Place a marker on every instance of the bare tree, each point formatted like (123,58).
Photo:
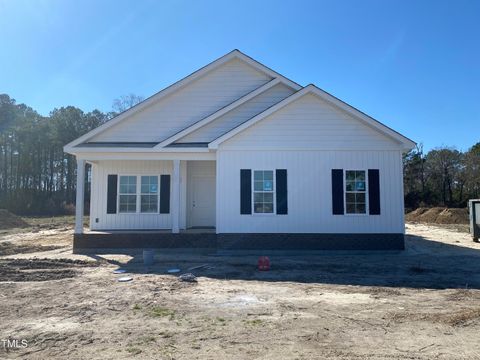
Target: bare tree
(125,102)
(472,165)
(443,168)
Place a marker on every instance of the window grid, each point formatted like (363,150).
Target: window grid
(263,192)
(355,192)
(138,194)
(149,194)
(127,194)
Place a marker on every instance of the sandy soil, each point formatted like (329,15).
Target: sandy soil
(421,303)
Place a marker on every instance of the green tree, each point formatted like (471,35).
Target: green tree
(36,176)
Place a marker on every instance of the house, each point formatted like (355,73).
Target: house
(237,156)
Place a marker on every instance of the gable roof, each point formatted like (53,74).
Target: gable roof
(406,143)
(235,54)
(82,143)
(189,129)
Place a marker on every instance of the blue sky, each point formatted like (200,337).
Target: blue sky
(414,65)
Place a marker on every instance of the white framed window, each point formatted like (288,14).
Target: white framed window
(263,191)
(127,194)
(138,194)
(356,192)
(149,194)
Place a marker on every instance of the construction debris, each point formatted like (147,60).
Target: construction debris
(189,277)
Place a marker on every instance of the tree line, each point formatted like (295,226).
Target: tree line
(443,176)
(37,177)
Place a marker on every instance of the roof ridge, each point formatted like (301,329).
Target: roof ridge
(176,86)
(265,110)
(222,111)
(312,89)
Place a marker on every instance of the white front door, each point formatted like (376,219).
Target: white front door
(202,206)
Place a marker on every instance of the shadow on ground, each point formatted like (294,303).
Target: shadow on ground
(424,264)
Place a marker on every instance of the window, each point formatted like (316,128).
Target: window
(355,192)
(149,194)
(263,191)
(127,194)
(145,192)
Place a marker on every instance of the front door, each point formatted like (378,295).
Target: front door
(202,207)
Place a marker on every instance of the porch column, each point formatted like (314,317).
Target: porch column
(176,197)
(80,196)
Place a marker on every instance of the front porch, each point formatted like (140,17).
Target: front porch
(148,197)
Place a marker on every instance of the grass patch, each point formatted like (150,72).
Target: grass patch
(133,350)
(147,339)
(255,322)
(162,312)
(136,307)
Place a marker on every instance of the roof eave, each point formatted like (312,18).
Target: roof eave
(402,140)
(178,85)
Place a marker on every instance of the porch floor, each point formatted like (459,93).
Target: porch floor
(153,231)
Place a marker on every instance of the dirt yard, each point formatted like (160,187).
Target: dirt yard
(422,303)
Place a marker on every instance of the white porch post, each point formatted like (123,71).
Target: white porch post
(80,196)
(176,197)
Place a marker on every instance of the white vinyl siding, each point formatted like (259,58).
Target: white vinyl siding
(309,191)
(239,115)
(137,220)
(188,105)
(310,123)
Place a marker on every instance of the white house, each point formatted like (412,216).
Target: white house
(235,155)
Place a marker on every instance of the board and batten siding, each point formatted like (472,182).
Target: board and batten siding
(310,123)
(188,105)
(309,192)
(98,204)
(239,115)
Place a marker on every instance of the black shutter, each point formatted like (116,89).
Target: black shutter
(374,191)
(164,194)
(282,196)
(112,194)
(245,191)
(337,191)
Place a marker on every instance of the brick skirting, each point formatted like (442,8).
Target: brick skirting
(258,241)
(311,241)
